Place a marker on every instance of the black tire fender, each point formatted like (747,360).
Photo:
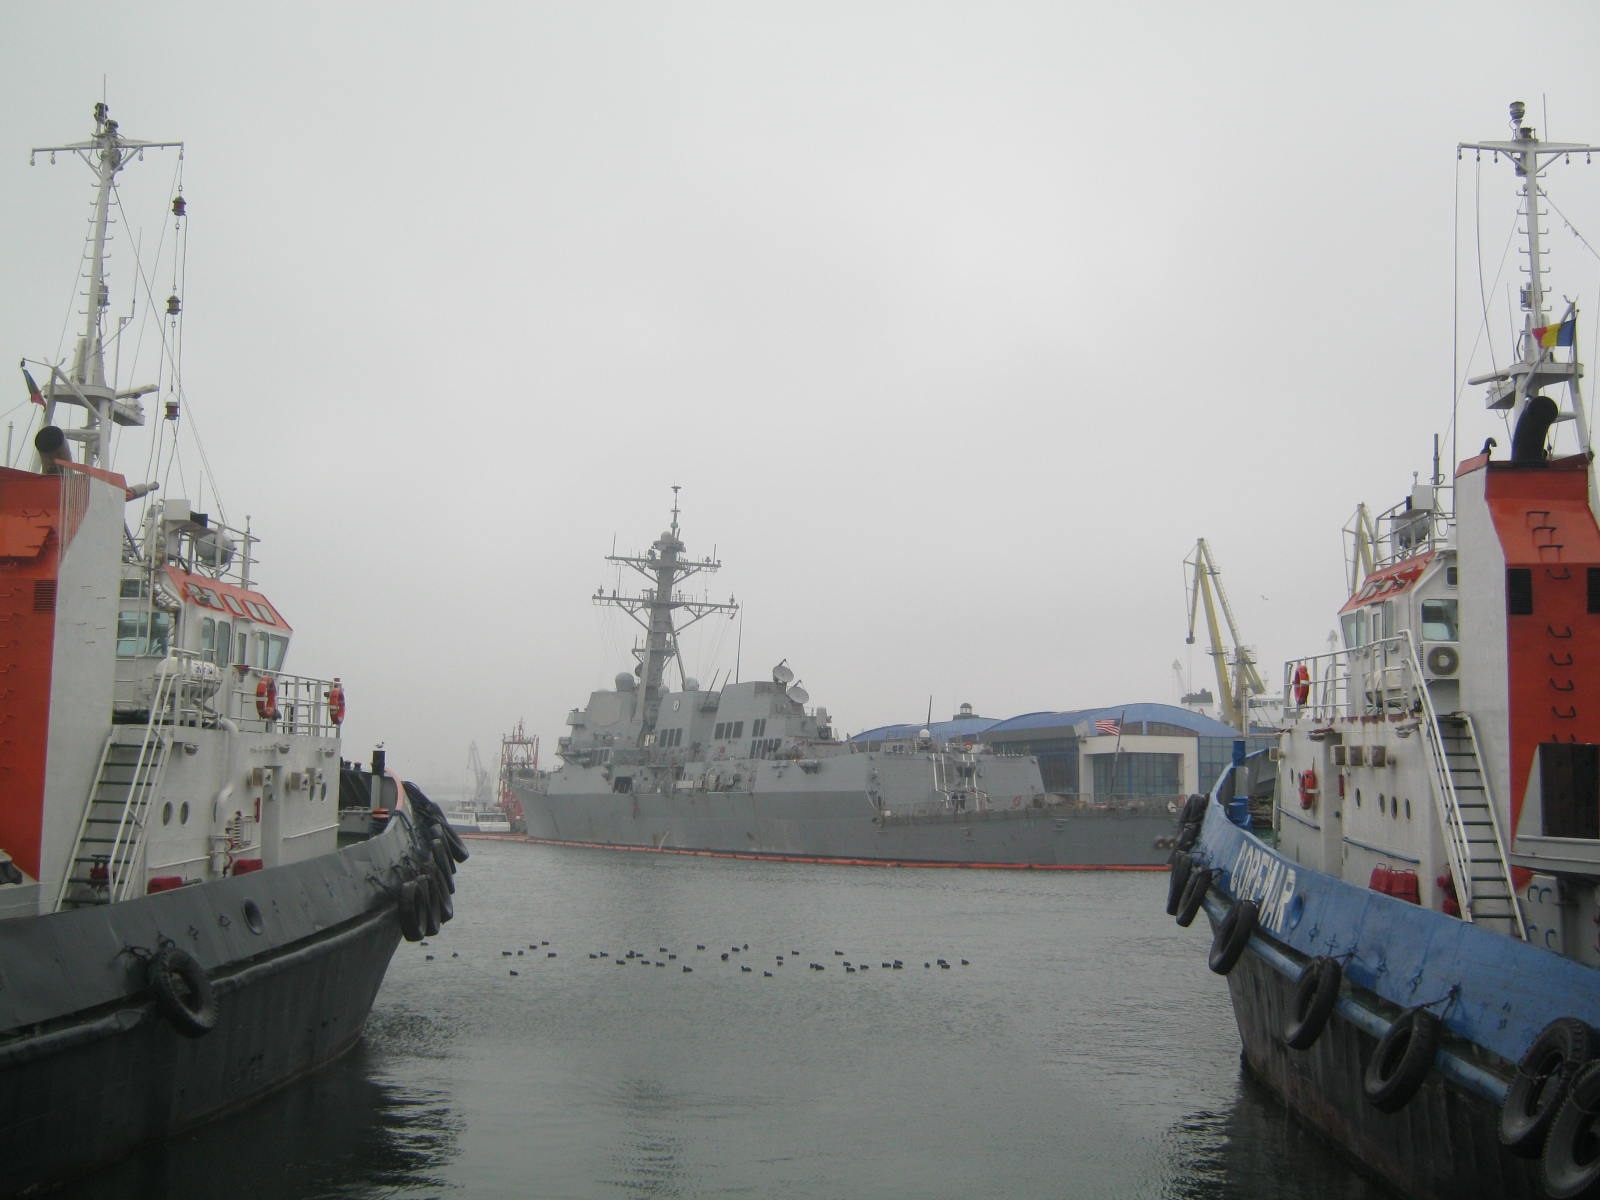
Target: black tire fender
(1177,880)
(1194,894)
(444,907)
(1314,998)
(1569,1166)
(413,909)
(444,865)
(1401,1060)
(183,992)
(430,890)
(1233,935)
(1544,1075)
(453,842)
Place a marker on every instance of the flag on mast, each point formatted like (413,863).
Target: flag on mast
(34,393)
(1549,336)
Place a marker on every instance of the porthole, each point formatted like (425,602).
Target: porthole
(1381,809)
(252,916)
(1358,797)
(1408,808)
(166,813)
(183,814)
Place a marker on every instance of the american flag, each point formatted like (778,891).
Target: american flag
(1108,725)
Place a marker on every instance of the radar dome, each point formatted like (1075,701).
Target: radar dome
(691,684)
(624,681)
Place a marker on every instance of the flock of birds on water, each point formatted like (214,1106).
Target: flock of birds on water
(732,956)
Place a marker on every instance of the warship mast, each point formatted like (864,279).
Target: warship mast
(663,568)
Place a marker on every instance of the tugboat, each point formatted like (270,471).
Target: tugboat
(749,770)
(181,930)
(1411,950)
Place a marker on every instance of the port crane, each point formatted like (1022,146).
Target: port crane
(1236,688)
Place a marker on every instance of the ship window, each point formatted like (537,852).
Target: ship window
(1380,802)
(270,650)
(183,813)
(1450,576)
(1355,629)
(135,589)
(1439,620)
(1519,590)
(208,638)
(260,612)
(1594,589)
(717,732)
(224,641)
(758,727)
(1358,797)
(166,813)
(738,730)
(143,633)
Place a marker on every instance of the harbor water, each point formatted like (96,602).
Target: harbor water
(1046,1034)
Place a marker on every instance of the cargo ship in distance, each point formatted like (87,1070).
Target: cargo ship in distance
(749,770)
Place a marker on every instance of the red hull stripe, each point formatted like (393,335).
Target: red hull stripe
(856,862)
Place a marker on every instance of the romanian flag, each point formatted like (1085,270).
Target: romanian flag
(1547,336)
(34,393)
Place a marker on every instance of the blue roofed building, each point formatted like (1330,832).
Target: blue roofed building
(1103,755)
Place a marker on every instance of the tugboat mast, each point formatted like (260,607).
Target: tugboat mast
(1512,386)
(664,568)
(107,152)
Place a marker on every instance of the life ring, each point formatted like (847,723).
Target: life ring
(1301,686)
(1178,881)
(1194,894)
(1401,1060)
(267,699)
(183,992)
(1543,1078)
(1314,998)
(1233,935)
(413,909)
(336,703)
(1308,788)
(1569,1166)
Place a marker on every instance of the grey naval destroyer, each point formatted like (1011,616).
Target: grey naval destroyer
(748,770)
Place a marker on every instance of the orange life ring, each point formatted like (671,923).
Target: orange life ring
(1302,685)
(1308,788)
(267,699)
(336,703)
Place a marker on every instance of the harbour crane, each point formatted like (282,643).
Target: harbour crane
(479,779)
(1236,688)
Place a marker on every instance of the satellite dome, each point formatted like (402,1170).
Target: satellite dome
(624,681)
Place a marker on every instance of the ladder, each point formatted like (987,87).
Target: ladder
(1472,838)
(106,864)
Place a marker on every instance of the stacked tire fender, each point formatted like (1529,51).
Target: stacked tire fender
(424,903)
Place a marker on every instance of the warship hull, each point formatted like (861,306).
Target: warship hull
(804,822)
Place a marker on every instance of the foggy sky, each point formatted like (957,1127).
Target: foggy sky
(956,323)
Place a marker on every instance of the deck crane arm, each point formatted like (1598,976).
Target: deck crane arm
(1205,586)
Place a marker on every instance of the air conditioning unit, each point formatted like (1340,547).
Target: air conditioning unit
(1356,756)
(1380,756)
(1441,660)
(1340,753)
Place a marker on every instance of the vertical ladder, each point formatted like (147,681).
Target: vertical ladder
(1479,866)
(106,864)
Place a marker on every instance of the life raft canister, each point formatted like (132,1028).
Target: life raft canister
(1302,685)
(1308,788)
(267,699)
(336,702)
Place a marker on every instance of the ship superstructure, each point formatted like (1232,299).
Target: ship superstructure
(1411,952)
